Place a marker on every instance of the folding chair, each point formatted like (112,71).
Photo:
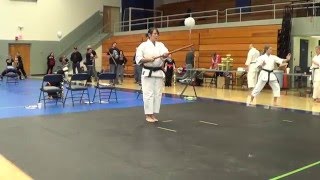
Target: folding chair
(51,84)
(12,78)
(77,90)
(105,90)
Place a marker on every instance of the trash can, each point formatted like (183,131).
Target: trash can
(279,75)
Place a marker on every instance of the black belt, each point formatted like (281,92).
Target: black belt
(252,62)
(152,69)
(269,72)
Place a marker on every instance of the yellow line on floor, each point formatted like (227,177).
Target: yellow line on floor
(166,129)
(205,122)
(8,171)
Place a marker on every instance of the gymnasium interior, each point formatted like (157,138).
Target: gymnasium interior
(206,128)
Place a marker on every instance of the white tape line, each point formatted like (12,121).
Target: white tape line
(287,121)
(205,122)
(166,129)
(168,121)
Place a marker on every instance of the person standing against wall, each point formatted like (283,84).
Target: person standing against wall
(51,62)
(190,58)
(76,58)
(121,65)
(89,63)
(20,65)
(114,57)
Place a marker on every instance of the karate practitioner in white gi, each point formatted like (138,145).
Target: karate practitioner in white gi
(316,75)
(252,75)
(267,63)
(152,77)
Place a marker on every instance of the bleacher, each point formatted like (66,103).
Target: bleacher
(221,39)
(234,41)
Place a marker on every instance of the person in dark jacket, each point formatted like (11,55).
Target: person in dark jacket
(89,63)
(121,65)
(76,58)
(169,67)
(20,65)
(114,57)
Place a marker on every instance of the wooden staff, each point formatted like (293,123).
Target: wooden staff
(176,50)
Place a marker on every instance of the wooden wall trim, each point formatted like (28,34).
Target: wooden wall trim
(227,40)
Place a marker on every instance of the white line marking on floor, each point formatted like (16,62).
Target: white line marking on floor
(168,121)
(205,122)
(12,107)
(166,129)
(287,121)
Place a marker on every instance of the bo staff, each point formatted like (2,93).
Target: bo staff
(176,50)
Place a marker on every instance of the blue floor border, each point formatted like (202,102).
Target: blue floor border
(15,99)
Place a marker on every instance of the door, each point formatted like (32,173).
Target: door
(24,50)
(304,54)
(107,19)
(111,18)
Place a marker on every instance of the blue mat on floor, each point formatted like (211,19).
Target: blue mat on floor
(18,101)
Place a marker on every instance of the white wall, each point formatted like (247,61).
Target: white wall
(99,59)
(296,51)
(313,42)
(43,19)
(306,26)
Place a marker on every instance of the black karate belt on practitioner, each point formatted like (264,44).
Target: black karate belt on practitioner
(269,72)
(152,69)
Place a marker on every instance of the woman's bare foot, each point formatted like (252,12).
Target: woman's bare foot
(149,118)
(154,118)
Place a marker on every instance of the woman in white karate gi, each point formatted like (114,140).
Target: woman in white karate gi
(267,63)
(252,75)
(316,75)
(152,75)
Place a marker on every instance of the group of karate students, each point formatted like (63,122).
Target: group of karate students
(151,54)
(266,62)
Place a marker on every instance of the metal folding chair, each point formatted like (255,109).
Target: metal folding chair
(12,77)
(51,88)
(105,90)
(78,88)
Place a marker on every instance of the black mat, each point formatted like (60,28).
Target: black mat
(240,143)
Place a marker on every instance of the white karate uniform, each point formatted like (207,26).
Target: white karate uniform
(151,86)
(252,56)
(265,76)
(316,77)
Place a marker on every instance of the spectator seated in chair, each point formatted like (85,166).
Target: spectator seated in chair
(64,71)
(10,68)
(55,95)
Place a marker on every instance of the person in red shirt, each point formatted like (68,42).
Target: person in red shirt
(215,60)
(169,68)
(50,63)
